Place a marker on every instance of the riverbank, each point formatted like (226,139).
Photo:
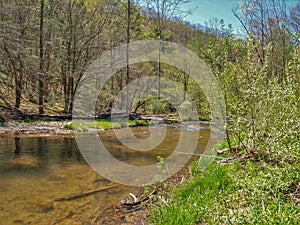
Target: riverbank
(52,126)
(139,209)
(247,189)
(40,128)
(66,127)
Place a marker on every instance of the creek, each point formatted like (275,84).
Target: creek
(35,170)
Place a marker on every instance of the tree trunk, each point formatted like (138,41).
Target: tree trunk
(41,77)
(18,83)
(159,68)
(127,55)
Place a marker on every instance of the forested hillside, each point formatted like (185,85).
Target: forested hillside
(46,46)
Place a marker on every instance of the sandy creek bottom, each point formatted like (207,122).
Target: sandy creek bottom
(35,170)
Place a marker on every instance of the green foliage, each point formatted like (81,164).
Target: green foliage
(264,109)
(152,105)
(234,141)
(190,202)
(263,194)
(160,162)
(135,123)
(69,126)
(185,109)
(166,35)
(234,194)
(204,118)
(98,124)
(157,106)
(184,118)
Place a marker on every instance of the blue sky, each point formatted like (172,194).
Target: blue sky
(207,9)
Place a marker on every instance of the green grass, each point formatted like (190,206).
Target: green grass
(250,193)
(107,125)
(190,202)
(104,124)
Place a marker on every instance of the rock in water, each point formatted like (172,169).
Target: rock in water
(193,127)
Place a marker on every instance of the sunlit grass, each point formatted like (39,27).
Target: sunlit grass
(190,202)
(80,125)
(245,192)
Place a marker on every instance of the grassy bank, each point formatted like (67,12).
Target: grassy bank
(109,124)
(243,192)
(105,124)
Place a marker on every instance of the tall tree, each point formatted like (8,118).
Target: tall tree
(127,53)
(41,72)
(161,11)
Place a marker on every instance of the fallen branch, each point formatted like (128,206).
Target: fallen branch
(133,197)
(84,194)
(139,201)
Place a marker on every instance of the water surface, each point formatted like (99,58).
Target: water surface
(36,170)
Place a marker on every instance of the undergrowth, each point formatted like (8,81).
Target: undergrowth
(242,193)
(245,192)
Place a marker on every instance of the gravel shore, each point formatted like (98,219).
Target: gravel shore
(40,128)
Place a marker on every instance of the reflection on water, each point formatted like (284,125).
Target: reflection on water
(36,170)
(17,146)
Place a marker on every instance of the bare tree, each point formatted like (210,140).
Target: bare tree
(13,43)
(161,11)
(265,21)
(294,18)
(81,27)
(41,72)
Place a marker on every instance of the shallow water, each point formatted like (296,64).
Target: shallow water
(36,170)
